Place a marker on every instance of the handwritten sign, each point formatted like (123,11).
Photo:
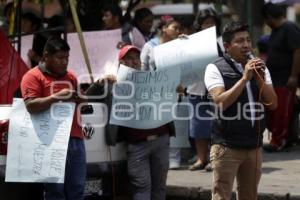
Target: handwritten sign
(102,50)
(37,143)
(181,123)
(144,100)
(192,55)
(26,45)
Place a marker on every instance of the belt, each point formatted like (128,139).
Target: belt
(151,137)
(148,138)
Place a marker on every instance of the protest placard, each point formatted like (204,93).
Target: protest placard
(5,111)
(26,45)
(191,54)
(102,50)
(37,143)
(144,100)
(181,122)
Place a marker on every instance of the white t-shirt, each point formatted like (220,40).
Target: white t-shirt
(213,78)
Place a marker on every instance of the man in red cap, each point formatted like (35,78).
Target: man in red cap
(148,149)
(130,56)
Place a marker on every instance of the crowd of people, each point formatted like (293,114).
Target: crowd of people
(231,149)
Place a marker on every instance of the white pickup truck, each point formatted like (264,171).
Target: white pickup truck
(101,161)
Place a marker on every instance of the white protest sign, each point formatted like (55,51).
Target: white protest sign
(181,123)
(137,38)
(5,111)
(102,50)
(192,55)
(26,45)
(144,100)
(37,143)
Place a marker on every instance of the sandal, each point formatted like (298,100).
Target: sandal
(197,166)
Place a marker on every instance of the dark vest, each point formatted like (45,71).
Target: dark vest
(232,128)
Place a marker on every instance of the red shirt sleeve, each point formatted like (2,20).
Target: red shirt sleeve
(30,86)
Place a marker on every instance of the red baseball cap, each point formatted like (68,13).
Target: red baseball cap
(124,50)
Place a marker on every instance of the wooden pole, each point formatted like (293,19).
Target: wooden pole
(81,39)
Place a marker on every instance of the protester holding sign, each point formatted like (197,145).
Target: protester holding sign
(148,149)
(169,29)
(45,84)
(241,89)
(200,128)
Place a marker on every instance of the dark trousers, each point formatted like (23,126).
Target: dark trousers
(75,175)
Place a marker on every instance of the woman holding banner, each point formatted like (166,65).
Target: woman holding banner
(168,29)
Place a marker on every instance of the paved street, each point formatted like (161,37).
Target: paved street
(281,175)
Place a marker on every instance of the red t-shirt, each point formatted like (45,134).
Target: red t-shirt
(37,84)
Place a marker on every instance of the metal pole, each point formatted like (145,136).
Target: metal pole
(249,16)
(64,7)
(18,21)
(195,6)
(42,10)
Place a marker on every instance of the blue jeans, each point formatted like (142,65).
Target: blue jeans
(75,174)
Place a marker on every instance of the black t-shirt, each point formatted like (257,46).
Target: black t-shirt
(282,43)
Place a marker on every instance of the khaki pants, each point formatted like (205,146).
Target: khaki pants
(229,163)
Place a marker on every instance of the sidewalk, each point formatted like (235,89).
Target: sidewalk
(280,179)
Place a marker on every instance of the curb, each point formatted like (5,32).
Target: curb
(198,193)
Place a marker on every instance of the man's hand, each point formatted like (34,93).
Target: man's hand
(259,69)
(292,82)
(248,71)
(107,79)
(255,67)
(66,95)
(180,89)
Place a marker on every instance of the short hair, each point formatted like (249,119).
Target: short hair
(141,14)
(203,15)
(54,44)
(35,20)
(7,8)
(187,21)
(166,20)
(272,10)
(231,28)
(115,10)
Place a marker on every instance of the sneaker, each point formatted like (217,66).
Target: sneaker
(174,165)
